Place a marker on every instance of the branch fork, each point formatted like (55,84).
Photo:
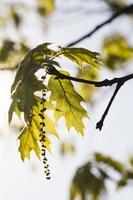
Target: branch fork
(105,83)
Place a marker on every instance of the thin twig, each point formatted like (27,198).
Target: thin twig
(126,10)
(99,124)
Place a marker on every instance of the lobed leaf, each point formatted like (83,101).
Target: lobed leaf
(30,136)
(24,99)
(67,100)
(67,103)
(81,56)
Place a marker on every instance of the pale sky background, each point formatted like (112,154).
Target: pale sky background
(25,180)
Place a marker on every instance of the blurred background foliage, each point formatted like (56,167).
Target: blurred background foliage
(11,54)
(91,179)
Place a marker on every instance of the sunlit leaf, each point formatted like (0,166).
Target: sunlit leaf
(117,51)
(24,98)
(28,142)
(30,136)
(63,99)
(67,103)
(32,62)
(81,56)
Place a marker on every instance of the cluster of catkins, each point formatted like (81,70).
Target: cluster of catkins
(43,133)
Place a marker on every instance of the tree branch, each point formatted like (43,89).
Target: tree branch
(99,124)
(103,83)
(118,81)
(126,10)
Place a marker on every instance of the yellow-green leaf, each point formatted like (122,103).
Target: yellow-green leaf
(116,51)
(67,103)
(21,101)
(30,136)
(81,56)
(28,142)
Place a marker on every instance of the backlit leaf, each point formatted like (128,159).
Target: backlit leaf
(67,103)
(30,136)
(24,98)
(28,142)
(117,51)
(64,101)
(81,56)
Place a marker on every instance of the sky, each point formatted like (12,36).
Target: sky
(25,180)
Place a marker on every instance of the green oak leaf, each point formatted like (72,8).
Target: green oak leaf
(26,84)
(30,136)
(67,103)
(64,101)
(32,62)
(81,56)
(28,142)
(24,97)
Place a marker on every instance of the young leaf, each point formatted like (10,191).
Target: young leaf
(67,103)
(81,56)
(28,142)
(30,136)
(24,98)
(32,62)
